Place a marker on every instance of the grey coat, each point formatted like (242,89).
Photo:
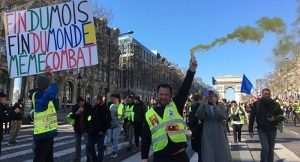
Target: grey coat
(214,142)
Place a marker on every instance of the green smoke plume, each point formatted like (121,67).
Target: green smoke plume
(243,34)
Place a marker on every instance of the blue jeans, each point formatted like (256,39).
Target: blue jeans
(106,138)
(267,141)
(92,140)
(113,135)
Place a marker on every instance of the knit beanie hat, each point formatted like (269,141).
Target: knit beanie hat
(43,82)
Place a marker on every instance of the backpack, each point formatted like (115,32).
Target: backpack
(280,126)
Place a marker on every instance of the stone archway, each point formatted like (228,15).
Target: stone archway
(229,81)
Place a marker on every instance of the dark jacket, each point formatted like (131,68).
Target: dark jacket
(18,116)
(195,127)
(87,108)
(179,101)
(260,113)
(139,112)
(101,120)
(4,118)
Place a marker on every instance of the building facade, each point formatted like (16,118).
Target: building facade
(141,70)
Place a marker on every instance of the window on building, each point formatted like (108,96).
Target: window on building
(69,91)
(88,94)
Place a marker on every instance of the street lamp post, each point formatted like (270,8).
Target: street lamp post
(79,77)
(109,64)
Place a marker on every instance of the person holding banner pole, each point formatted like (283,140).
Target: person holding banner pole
(44,107)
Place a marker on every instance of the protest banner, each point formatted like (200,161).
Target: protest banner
(61,36)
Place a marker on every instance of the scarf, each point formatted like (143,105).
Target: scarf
(268,104)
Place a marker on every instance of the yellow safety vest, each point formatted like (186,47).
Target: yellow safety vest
(71,121)
(170,126)
(242,120)
(129,114)
(45,121)
(120,110)
(297,109)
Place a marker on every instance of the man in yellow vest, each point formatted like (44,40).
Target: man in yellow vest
(164,127)
(45,117)
(296,113)
(80,113)
(129,120)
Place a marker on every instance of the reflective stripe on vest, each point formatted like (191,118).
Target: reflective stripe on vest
(159,126)
(129,114)
(120,110)
(45,121)
(241,117)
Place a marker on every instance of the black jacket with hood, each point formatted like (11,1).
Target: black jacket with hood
(100,119)
(139,112)
(18,116)
(87,108)
(265,107)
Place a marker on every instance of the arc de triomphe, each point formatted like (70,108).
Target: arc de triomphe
(229,81)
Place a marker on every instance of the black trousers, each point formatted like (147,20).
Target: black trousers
(124,128)
(138,132)
(180,157)
(237,132)
(44,150)
(226,126)
(0,148)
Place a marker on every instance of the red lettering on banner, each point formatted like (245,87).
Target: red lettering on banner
(22,20)
(80,56)
(8,23)
(56,61)
(64,53)
(35,40)
(70,57)
(90,52)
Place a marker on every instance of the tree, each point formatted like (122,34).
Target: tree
(100,11)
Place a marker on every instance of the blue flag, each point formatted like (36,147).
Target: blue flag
(246,86)
(213,81)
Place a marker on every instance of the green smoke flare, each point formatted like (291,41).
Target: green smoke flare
(243,34)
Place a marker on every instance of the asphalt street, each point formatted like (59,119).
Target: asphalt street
(287,146)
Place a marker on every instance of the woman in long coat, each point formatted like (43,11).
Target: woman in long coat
(214,142)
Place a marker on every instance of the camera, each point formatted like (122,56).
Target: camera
(269,115)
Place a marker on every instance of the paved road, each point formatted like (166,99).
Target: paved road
(287,147)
